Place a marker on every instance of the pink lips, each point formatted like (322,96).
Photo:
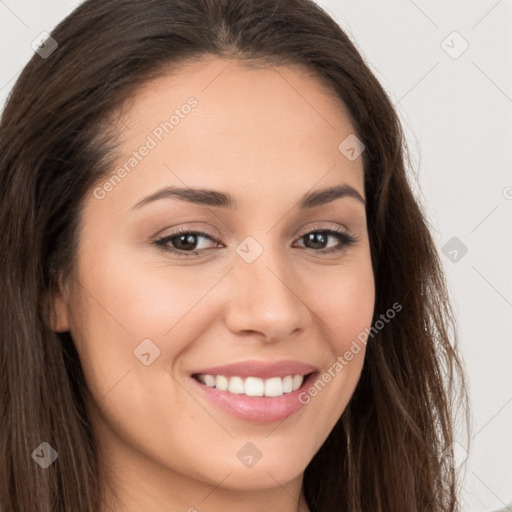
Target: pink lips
(257,409)
(261,369)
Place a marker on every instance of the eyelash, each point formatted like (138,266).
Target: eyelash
(344,238)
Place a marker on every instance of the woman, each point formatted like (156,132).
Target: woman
(219,290)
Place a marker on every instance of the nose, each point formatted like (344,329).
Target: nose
(265,299)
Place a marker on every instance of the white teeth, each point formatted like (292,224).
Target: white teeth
(288,384)
(221,383)
(297,381)
(253,386)
(209,380)
(274,386)
(236,385)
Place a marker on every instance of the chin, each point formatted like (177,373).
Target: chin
(267,472)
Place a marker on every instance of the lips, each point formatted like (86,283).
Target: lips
(256,391)
(260,369)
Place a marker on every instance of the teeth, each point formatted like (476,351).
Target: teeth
(274,386)
(253,386)
(288,384)
(297,382)
(236,385)
(221,383)
(209,380)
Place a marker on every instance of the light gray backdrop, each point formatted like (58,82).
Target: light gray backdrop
(448,67)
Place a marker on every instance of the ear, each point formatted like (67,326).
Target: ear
(59,307)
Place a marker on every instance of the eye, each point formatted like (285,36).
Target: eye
(185,243)
(320,237)
(181,241)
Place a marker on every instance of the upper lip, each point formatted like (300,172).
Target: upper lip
(261,369)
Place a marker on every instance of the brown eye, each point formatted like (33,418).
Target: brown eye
(184,243)
(318,240)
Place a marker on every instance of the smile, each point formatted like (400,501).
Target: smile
(253,386)
(255,391)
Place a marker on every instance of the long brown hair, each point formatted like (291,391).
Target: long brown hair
(390,451)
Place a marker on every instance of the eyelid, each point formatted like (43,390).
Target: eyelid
(160,240)
(189,227)
(319,227)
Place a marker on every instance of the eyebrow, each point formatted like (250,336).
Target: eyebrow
(210,197)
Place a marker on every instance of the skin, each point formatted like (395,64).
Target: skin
(267,136)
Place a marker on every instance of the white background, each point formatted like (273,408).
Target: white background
(457,116)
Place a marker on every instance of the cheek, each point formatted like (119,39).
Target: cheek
(121,309)
(344,300)
(140,299)
(125,315)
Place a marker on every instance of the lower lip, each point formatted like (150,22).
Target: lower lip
(258,409)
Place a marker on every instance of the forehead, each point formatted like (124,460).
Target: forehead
(261,128)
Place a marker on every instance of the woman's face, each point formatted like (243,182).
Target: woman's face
(252,289)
